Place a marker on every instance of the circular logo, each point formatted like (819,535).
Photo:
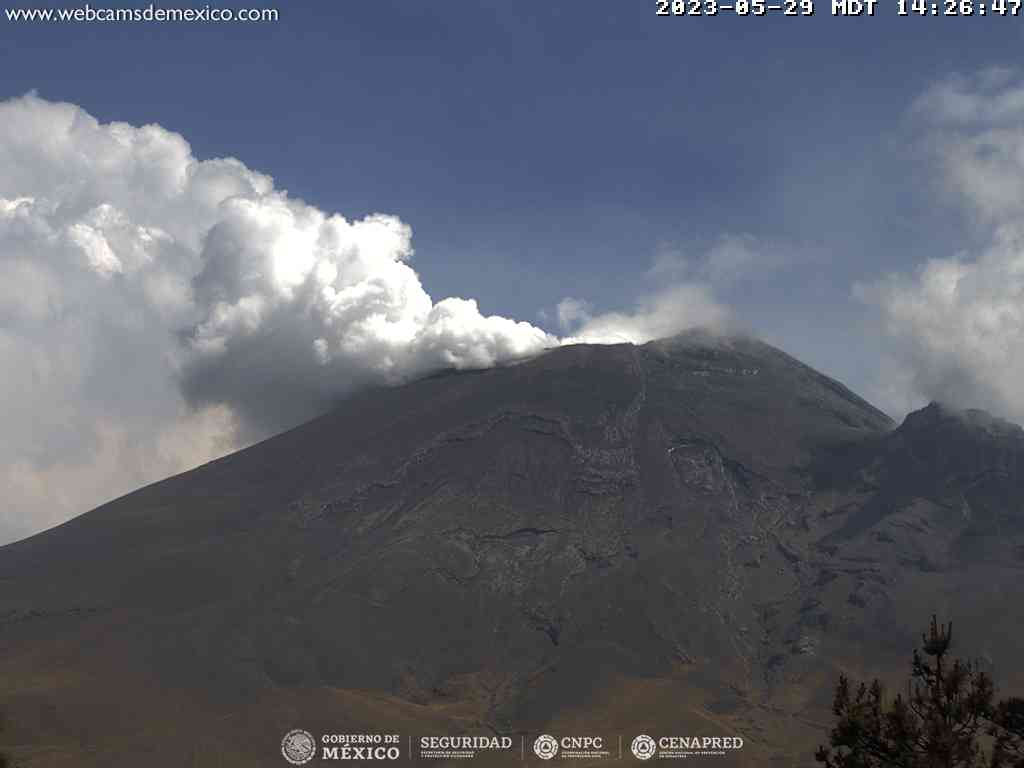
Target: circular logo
(545,747)
(643,747)
(298,747)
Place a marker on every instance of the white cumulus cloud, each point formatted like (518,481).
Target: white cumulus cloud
(957,323)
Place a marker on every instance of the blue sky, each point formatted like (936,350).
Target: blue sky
(549,150)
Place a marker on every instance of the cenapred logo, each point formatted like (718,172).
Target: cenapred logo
(298,747)
(545,747)
(643,747)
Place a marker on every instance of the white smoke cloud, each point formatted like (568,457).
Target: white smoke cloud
(690,280)
(157,310)
(957,323)
(300,307)
(680,306)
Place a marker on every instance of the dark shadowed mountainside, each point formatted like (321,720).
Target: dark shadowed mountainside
(690,537)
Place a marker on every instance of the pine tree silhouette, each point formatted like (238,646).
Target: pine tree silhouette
(1007,728)
(946,720)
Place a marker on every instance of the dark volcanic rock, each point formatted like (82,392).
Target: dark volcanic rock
(691,535)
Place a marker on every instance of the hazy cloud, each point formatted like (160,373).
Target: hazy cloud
(957,323)
(664,313)
(689,282)
(990,97)
(731,258)
(572,312)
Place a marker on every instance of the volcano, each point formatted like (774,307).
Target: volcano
(692,537)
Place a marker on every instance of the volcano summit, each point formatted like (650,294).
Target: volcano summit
(687,538)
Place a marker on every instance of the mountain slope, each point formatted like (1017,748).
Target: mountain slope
(702,527)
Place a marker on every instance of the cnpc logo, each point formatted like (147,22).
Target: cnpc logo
(546,747)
